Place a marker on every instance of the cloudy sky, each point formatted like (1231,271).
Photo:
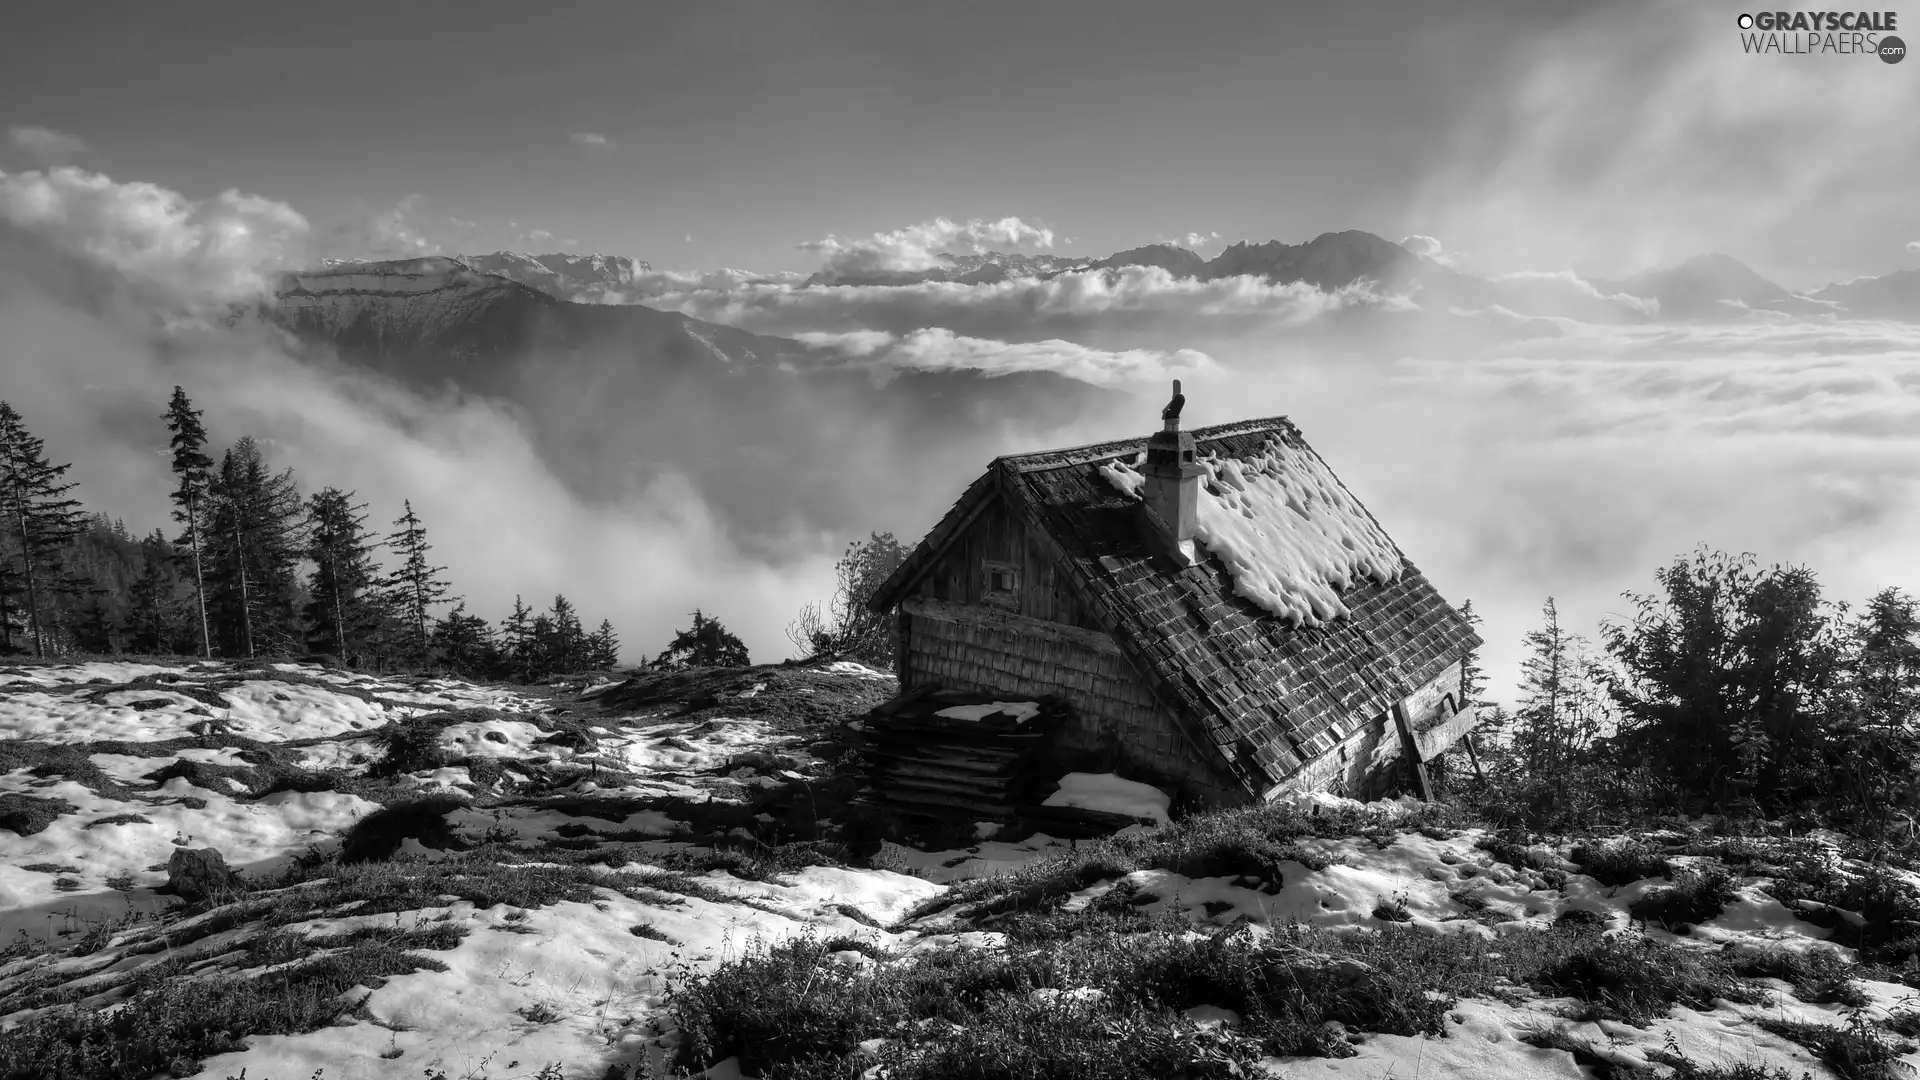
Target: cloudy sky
(1528,133)
(168,161)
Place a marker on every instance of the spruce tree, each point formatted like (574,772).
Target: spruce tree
(344,604)
(152,607)
(415,587)
(603,647)
(465,641)
(541,648)
(253,545)
(707,644)
(193,471)
(516,634)
(1560,710)
(567,649)
(41,521)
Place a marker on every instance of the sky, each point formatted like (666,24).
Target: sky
(156,163)
(754,128)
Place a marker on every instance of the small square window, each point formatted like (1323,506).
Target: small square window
(1001,583)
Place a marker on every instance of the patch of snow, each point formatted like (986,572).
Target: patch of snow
(1290,535)
(855,669)
(493,738)
(1110,794)
(1021,711)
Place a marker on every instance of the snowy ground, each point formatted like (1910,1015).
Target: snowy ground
(583,981)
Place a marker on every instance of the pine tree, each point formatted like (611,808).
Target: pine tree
(344,605)
(253,544)
(152,615)
(194,472)
(603,647)
(38,516)
(465,641)
(541,648)
(707,644)
(516,633)
(1560,710)
(415,587)
(567,650)
(1473,677)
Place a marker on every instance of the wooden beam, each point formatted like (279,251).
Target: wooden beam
(986,618)
(1434,740)
(1474,756)
(1410,749)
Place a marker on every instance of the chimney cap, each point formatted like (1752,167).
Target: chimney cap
(1171,414)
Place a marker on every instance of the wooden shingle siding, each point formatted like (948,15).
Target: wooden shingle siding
(965,647)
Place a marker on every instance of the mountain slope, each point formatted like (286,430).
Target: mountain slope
(1710,287)
(1890,296)
(775,434)
(584,278)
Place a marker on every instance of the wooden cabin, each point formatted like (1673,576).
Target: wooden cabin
(1198,600)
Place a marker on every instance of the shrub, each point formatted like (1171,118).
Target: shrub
(169,1026)
(1635,980)
(1696,896)
(378,835)
(410,744)
(1621,863)
(1854,1050)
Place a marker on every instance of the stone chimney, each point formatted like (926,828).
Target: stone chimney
(1172,490)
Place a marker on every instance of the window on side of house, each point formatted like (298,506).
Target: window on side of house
(1001,586)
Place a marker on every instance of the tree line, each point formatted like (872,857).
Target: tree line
(1733,688)
(254,569)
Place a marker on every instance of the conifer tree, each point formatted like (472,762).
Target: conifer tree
(1559,714)
(152,617)
(707,644)
(415,587)
(603,647)
(252,549)
(344,605)
(566,652)
(193,471)
(516,633)
(39,519)
(540,648)
(465,641)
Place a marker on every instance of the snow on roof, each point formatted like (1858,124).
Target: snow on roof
(1110,794)
(1290,535)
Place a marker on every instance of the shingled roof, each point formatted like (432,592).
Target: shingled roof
(1241,677)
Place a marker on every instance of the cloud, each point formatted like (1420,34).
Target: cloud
(1125,308)
(1913,246)
(1421,245)
(1197,242)
(917,247)
(394,233)
(91,373)
(935,349)
(1627,143)
(46,146)
(189,250)
(589,138)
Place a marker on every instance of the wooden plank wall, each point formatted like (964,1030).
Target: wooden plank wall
(1115,715)
(1358,762)
(998,536)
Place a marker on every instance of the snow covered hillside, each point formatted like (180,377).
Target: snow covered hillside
(621,878)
